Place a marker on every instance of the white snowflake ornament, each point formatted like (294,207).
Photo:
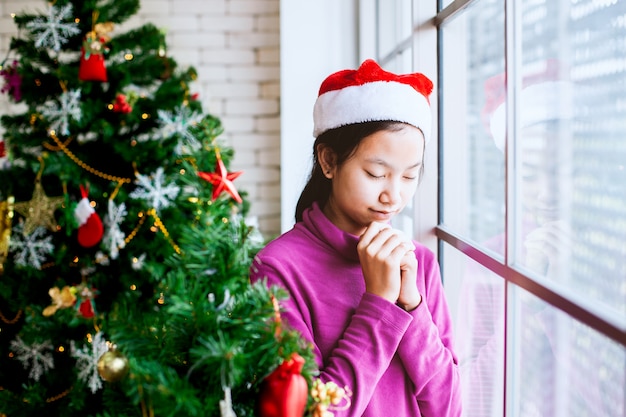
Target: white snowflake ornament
(59,113)
(158,194)
(179,123)
(87,361)
(37,357)
(138,262)
(30,250)
(52,32)
(114,238)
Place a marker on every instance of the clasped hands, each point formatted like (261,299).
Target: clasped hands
(389,265)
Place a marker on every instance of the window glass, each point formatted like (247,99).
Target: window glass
(566,186)
(476,298)
(473,162)
(402,63)
(571,147)
(445,3)
(558,188)
(394,24)
(561,367)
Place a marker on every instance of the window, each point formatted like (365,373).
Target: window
(531,147)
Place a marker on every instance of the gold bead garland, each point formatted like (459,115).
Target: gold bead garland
(57,148)
(59,396)
(152,212)
(49,399)
(13,320)
(120,182)
(83,165)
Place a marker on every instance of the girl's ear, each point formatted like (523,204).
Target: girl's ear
(327,160)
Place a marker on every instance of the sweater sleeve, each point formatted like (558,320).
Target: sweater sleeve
(426,350)
(367,346)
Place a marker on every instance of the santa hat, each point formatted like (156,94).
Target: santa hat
(372,94)
(539,103)
(544,96)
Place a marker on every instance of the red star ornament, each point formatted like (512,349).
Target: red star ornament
(222,180)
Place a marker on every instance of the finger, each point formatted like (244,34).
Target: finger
(408,261)
(397,251)
(383,244)
(372,230)
(410,246)
(405,238)
(393,237)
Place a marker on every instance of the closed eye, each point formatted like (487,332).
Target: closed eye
(375,176)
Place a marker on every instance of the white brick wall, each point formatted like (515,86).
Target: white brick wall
(234,45)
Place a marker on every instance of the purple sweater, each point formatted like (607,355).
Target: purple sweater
(395,363)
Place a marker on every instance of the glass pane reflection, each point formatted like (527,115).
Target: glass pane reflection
(476,298)
(561,367)
(571,177)
(473,165)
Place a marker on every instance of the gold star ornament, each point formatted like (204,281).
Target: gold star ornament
(39,211)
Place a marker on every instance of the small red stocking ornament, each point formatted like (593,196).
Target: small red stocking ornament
(92,66)
(285,391)
(90,228)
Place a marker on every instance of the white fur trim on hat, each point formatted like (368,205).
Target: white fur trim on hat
(549,100)
(82,211)
(372,101)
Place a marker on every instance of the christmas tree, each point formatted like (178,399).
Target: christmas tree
(124,242)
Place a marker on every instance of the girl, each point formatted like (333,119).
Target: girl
(369,299)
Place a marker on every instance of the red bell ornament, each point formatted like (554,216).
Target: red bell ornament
(284,392)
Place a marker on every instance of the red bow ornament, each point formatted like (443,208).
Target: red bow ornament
(285,391)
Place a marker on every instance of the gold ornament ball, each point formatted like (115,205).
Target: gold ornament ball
(112,366)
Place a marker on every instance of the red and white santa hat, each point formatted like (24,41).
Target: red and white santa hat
(545,96)
(373,94)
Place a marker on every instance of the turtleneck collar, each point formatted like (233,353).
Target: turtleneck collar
(342,242)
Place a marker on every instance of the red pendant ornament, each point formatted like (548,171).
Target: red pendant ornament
(85,303)
(92,66)
(222,180)
(285,391)
(90,229)
(86,309)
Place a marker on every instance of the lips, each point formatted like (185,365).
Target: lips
(384,213)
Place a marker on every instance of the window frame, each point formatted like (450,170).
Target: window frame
(574,306)
(424,43)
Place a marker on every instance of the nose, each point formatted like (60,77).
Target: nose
(391,194)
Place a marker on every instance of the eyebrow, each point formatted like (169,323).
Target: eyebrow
(379,161)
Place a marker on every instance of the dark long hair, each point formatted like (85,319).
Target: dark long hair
(343,141)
